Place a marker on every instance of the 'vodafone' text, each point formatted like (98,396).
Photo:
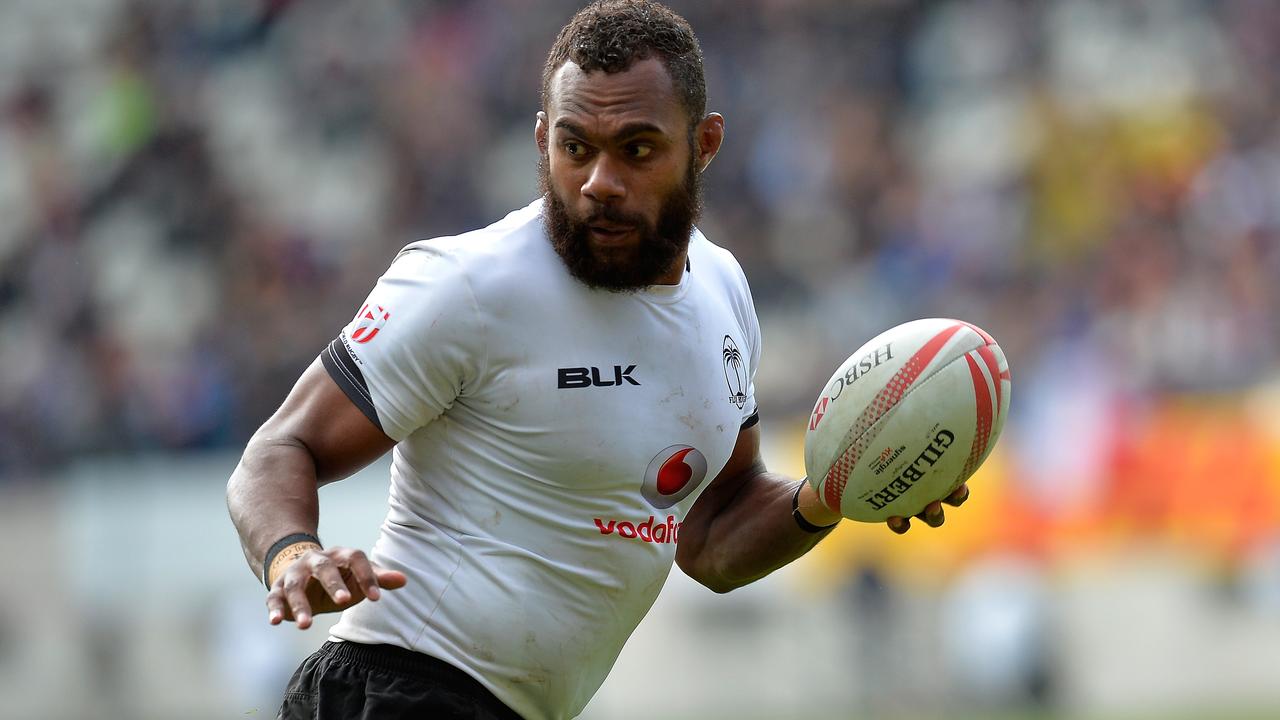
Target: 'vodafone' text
(667,531)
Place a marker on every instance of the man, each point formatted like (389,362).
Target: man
(569,396)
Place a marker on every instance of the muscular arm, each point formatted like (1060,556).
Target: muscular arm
(317,436)
(741,528)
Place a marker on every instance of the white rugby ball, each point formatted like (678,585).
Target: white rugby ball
(906,419)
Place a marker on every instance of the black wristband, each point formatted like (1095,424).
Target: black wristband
(279,545)
(805,525)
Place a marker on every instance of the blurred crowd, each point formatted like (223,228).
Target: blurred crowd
(196,195)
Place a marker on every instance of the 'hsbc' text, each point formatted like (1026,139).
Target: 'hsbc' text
(864,365)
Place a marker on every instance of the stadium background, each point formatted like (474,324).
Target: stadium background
(195,195)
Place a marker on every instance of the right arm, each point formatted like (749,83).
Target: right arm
(349,408)
(316,437)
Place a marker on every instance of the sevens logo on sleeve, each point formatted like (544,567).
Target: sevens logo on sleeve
(369,321)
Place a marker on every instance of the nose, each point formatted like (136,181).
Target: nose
(604,183)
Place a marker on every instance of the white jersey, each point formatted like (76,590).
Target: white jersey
(551,439)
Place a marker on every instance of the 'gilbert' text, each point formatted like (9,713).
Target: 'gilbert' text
(913,472)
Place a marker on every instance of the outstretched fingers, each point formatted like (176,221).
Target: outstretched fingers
(277,611)
(933,514)
(293,586)
(329,580)
(362,573)
(326,571)
(958,496)
(390,579)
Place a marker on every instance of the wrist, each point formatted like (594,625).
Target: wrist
(284,552)
(809,512)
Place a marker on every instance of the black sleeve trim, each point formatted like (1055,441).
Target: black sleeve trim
(751,421)
(344,371)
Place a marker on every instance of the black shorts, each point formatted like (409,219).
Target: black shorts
(351,681)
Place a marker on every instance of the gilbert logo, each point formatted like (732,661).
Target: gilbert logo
(369,321)
(887,456)
(672,474)
(913,472)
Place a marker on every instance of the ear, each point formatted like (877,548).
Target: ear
(709,134)
(540,132)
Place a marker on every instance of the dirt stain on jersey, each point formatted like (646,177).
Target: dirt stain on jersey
(493,520)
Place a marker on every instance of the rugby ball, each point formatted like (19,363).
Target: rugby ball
(907,419)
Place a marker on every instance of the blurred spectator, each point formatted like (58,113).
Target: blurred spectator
(196,194)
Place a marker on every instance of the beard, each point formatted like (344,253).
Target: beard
(622,269)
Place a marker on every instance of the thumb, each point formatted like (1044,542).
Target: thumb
(390,579)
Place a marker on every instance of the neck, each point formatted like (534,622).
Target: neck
(672,276)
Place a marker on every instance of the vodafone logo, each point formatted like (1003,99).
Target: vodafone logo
(672,474)
(369,321)
(663,532)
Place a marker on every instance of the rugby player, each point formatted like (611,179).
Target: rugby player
(568,395)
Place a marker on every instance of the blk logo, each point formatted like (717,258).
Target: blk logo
(672,474)
(581,377)
(369,321)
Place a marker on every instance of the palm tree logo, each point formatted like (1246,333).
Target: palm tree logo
(735,374)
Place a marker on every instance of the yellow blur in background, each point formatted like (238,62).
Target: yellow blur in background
(1200,477)
(195,195)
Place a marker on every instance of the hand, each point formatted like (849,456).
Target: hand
(327,580)
(932,514)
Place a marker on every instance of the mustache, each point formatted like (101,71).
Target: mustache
(613,215)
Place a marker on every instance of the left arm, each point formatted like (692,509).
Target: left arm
(741,528)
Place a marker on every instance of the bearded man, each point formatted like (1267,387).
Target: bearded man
(569,396)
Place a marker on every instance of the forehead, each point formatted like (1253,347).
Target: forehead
(600,101)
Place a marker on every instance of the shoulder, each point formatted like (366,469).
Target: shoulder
(436,284)
(717,265)
(485,258)
(718,268)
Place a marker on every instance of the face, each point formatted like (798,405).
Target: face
(619,171)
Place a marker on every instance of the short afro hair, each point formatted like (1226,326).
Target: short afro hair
(611,35)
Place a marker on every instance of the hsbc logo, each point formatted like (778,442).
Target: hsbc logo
(581,377)
(818,411)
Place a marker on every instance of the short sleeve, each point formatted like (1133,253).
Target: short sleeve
(751,331)
(750,410)
(414,346)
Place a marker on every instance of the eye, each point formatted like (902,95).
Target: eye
(574,149)
(639,151)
